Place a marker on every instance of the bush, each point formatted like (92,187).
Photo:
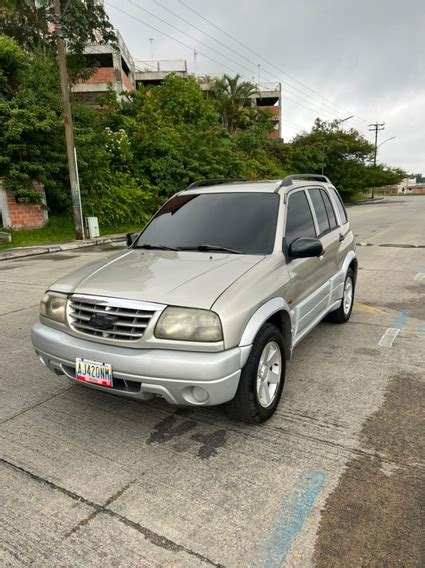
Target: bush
(117,199)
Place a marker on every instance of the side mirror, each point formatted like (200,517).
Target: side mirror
(131,237)
(305,247)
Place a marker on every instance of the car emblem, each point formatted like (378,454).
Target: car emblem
(103,321)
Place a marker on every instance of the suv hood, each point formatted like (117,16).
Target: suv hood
(186,278)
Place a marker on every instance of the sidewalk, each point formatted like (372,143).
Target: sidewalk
(20,252)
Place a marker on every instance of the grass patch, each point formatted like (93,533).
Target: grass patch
(355,197)
(57,230)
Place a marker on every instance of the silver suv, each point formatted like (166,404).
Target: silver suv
(210,299)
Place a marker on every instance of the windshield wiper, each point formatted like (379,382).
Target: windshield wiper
(207,248)
(153,247)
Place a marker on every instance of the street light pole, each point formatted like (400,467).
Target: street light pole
(69,132)
(340,120)
(387,140)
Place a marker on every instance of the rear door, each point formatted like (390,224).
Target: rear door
(328,228)
(344,232)
(345,239)
(309,276)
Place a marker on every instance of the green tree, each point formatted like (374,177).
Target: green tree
(175,136)
(233,101)
(31,137)
(343,155)
(31,24)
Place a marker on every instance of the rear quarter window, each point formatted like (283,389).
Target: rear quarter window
(339,206)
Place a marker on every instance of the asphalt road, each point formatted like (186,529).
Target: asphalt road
(335,479)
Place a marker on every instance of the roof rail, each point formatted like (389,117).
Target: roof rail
(209,182)
(290,179)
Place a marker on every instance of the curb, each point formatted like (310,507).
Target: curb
(10,254)
(364,202)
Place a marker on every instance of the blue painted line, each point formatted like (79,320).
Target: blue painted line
(295,507)
(422,329)
(401,319)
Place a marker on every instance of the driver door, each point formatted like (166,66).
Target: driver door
(309,277)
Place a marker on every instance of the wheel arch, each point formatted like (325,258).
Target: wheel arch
(354,265)
(274,311)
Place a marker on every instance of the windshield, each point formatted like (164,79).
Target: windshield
(228,222)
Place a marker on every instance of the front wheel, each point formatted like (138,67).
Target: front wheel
(343,313)
(261,383)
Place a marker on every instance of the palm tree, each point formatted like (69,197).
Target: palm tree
(234,101)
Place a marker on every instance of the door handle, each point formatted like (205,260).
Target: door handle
(341,237)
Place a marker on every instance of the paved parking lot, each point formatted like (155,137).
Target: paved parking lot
(336,478)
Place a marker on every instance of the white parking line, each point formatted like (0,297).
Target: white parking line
(388,338)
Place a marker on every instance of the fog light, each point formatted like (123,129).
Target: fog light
(200,394)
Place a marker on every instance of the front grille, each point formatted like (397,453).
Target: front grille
(130,324)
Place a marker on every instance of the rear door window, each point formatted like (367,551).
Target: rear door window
(320,210)
(299,220)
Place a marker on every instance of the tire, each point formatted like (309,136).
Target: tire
(256,398)
(343,313)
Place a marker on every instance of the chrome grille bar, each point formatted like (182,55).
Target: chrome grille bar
(130,325)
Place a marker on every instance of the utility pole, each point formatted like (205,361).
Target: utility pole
(69,132)
(375,127)
(151,42)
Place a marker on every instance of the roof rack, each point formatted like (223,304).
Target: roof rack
(289,180)
(209,182)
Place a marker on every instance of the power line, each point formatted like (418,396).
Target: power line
(187,34)
(132,16)
(292,124)
(318,110)
(268,62)
(319,105)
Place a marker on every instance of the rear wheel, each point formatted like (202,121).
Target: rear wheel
(343,313)
(261,383)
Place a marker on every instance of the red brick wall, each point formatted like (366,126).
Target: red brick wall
(107,75)
(102,75)
(274,110)
(126,82)
(24,215)
(420,189)
(273,135)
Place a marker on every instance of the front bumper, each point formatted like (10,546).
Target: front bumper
(181,377)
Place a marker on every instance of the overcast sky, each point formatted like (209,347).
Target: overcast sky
(366,56)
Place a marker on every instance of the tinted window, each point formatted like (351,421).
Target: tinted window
(299,220)
(339,206)
(329,209)
(319,208)
(242,221)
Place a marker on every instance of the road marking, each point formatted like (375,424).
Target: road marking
(420,276)
(359,307)
(391,333)
(295,508)
(401,319)
(422,329)
(388,338)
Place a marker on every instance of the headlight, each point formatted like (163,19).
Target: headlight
(52,306)
(188,324)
